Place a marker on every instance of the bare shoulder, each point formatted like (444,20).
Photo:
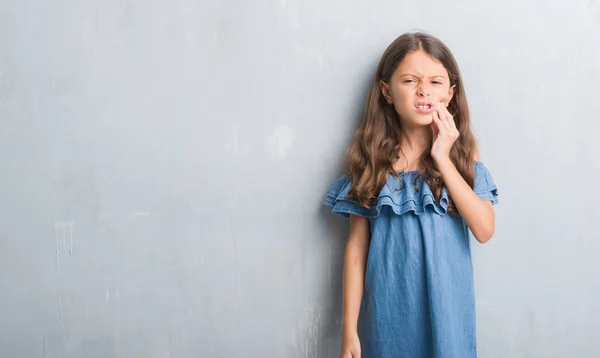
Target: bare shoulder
(476,152)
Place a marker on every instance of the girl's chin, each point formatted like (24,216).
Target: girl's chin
(418,121)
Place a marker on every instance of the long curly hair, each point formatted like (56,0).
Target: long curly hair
(376,143)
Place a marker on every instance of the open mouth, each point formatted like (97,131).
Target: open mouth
(424,106)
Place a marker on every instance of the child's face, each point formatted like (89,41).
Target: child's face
(417,85)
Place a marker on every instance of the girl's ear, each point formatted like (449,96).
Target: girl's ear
(450,94)
(385,91)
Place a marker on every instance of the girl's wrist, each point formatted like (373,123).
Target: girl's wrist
(442,160)
(349,329)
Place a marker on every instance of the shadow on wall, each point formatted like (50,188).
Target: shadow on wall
(319,332)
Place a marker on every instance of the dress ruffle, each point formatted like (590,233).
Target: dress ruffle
(401,196)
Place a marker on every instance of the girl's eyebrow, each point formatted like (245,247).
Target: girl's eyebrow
(413,75)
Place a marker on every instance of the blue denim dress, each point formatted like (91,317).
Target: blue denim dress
(418,298)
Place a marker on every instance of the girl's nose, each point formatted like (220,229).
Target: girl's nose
(423,91)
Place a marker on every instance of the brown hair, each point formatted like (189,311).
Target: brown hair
(376,143)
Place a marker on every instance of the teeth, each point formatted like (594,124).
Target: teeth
(424,106)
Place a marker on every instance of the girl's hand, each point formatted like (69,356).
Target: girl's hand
(350,346)
(444,133)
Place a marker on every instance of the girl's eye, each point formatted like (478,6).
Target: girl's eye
(437,82)
(407,81)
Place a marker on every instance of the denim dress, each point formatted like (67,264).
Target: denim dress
(418,298)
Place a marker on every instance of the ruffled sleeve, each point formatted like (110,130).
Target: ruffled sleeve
(336,199)
(484,185)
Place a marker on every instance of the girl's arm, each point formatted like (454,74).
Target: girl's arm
(477,213)
(355,261)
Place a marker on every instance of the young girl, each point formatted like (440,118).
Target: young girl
(415,186)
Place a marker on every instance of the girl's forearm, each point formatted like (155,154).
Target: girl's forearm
(477,213)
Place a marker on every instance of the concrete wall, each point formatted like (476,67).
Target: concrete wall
(163,164)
